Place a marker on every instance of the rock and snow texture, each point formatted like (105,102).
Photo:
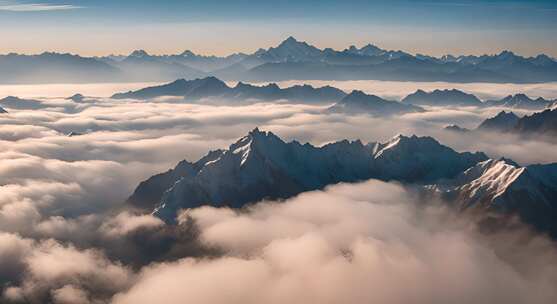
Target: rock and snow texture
(505,187)
(261,165)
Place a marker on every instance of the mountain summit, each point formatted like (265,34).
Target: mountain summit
(261,165)
(359,102)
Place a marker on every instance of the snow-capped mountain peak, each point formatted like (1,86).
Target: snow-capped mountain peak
(261,165)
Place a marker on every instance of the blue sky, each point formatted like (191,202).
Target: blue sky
(97,27)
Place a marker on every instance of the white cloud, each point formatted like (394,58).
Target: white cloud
(35,7)
(359,243)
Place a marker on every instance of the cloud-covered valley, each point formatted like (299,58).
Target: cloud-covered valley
(66,235)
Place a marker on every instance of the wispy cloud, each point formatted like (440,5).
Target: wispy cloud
(34,7)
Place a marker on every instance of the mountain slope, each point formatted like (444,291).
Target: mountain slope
(442,98)
(358,102)
(211,87)
(519,101)
(538,123)
(55,68)
(13,102)
(504,187)
(261,165)
(501,122)
(290,50)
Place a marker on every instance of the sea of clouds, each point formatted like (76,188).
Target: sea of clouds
(66,236)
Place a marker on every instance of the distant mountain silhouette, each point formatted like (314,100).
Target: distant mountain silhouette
(520,101)
(358,102)
(442,98)
(290,60)
(55,67)
(501,122)
(13,102)
(540,124)
(212,87)
(456,128)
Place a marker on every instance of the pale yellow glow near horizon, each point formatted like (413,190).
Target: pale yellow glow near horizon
(226,38)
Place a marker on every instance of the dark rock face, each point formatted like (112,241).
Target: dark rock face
(261,165)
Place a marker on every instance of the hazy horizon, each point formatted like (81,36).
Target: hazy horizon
(436,28)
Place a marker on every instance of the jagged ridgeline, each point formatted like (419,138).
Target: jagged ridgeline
(261,166)
(290,60)
(213,88)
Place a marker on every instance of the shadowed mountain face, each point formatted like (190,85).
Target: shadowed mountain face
(358,102)
(12,102)
(212,87)
(501,122)
(290,60)
(520,101)
(442,98)
(540,123)
(261,165)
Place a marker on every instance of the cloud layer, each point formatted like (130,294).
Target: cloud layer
(364,243)
(65,230)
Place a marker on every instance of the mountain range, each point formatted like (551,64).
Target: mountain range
(290,60)
(503,186)
(442,98)
(262,166)
(359,102)
(539,124)
(212,87)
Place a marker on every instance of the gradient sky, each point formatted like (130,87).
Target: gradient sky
(101,27)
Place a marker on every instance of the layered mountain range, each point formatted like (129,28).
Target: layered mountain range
(262,166)
(290,60)
(212,87)
(537,124)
